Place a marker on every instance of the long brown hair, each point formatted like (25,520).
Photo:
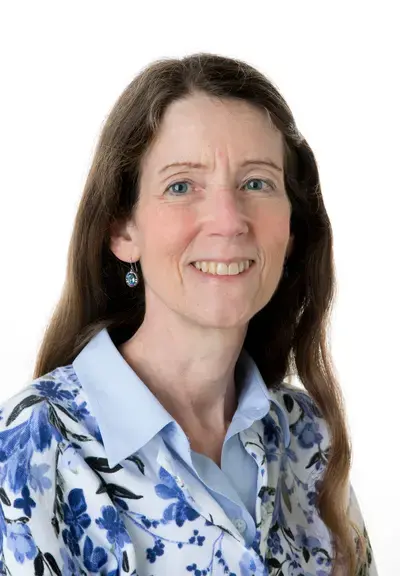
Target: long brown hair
(289,335)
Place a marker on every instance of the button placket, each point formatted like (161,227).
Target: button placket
(267,485)
(168,464)
(202,502)
(253,442)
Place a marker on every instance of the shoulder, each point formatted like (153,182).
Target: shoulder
(57,388)
(34,421)
(297,402)
(307,427)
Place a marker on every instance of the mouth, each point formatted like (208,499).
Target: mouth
(223,270)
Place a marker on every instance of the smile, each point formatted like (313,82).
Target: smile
(223,268)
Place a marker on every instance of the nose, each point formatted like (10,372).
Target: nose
(226,215)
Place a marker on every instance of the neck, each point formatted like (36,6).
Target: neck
(190,369)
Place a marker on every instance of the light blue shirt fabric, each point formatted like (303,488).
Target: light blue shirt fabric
(129,416)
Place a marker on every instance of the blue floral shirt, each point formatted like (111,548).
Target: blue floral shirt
(96,477)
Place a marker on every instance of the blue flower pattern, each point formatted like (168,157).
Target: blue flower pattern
(111,522)
(75,516)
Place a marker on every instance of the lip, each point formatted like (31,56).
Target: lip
(222,278)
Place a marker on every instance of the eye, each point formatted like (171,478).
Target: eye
(178,188)
(269,184)
(181,188)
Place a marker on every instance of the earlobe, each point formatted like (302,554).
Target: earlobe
(123,242)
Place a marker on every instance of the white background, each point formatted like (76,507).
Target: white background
(63,64)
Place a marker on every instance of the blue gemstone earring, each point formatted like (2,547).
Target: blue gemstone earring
(132,277)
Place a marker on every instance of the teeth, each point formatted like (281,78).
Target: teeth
(222,269)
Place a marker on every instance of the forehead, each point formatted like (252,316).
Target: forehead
(204,129)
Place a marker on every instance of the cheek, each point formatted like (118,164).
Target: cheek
(273,229)
(167,231)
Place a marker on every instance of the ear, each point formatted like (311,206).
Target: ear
(124,240)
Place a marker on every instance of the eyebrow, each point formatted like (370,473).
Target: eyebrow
(263,161)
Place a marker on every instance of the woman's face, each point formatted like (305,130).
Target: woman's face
(227,208)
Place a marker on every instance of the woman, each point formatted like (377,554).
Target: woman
(158,435)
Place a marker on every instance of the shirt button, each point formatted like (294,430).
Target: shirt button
(240,525)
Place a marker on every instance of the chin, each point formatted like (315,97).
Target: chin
(223,322)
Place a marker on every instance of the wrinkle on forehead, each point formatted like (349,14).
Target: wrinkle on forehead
(214,132)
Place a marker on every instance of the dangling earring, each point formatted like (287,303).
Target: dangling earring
(132,277)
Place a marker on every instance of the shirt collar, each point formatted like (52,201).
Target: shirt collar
(121,402)
(255,398)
